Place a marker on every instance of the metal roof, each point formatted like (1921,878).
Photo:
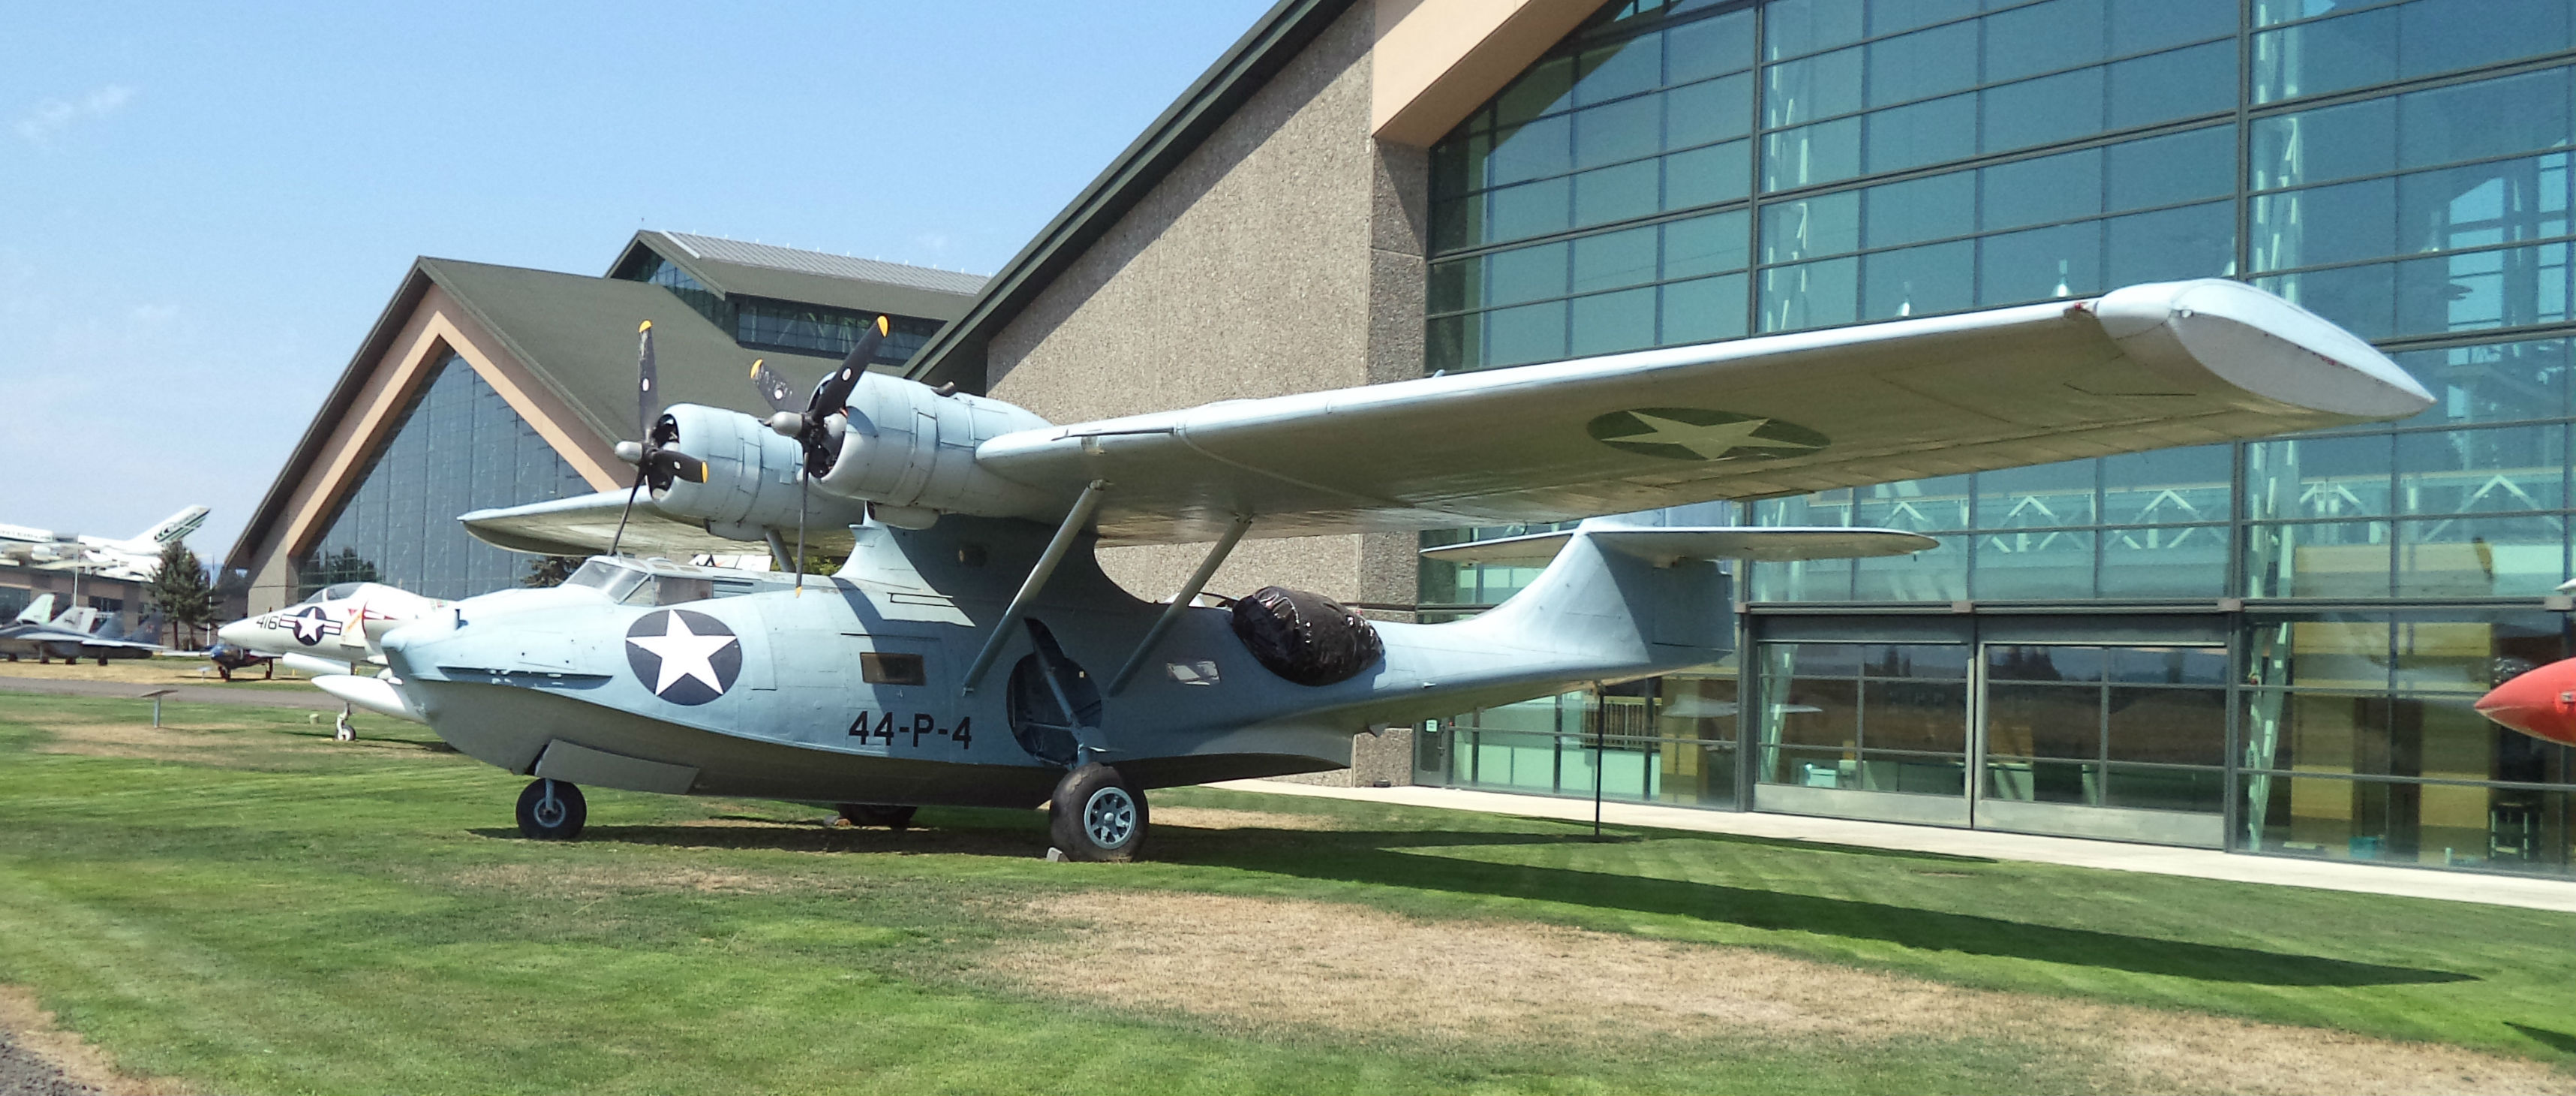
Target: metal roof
(826,264)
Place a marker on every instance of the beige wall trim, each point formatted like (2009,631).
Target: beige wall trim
(437,325)
(1438,60)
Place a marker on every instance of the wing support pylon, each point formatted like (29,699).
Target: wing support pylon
(1065,533)
(1181,601)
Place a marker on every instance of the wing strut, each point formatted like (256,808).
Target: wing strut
(1037,580)
(1189,590)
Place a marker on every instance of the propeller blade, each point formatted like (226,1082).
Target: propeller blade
(647,384)
(773,387)
(670,464)
(834,393)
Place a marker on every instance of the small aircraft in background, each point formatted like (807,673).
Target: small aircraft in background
(135,558)
(230,660)
(971,651)
(329,635)
(76,635)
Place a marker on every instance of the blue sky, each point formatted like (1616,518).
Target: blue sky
(204,206)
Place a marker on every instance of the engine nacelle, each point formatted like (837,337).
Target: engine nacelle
(751,476)
(906,445)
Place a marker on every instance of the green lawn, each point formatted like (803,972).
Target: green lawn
(247,907)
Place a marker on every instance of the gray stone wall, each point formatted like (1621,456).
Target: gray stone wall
(1284,255)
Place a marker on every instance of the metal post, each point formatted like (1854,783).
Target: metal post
(156,696)
(1055,549)
(1600,718)
(1189,590)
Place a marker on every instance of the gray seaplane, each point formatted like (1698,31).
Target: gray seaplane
(973,652)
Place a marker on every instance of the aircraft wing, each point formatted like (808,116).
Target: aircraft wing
(2145,367)
(584,525)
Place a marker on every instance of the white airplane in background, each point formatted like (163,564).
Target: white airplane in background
(133,558)
(330,635)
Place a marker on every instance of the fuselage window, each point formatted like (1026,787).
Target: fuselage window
(891,668)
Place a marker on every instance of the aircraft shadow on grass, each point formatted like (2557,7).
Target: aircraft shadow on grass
(1380,858)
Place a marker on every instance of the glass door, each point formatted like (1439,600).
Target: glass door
(2124,742)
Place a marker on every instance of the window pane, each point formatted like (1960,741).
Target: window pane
(1525,274)
(1811,295)
(2318,477)
(1935,574)
(1811,154)
(2482,471)
(1614,259)
(2168,726)
(1792,27)
(1616,193)
(2141,25)
(2490,118)
(1925,716)
(2518,380)
(2037,496)
(2039,264)
(2169,666)
(1607,323)
(2165,170)
(1618,131)
(2432,37)
(2327,559)
(1530,333)
(2171,245)
(2481,556)
(2361,299)
(2200,790)
(2058,721)
(1539,148)
(1703,311)
(2034,565)
(1920,209)
(2327,55)
(1815,87)
(1924,133)
(2327,224)
(1923,64)
(1891,16)
(2318,146)
(1546,88)
(2168,485)
(2164,86)
(1708,47)
(1620,69)
(2041,37)
(2050,188)
(1918,281)
(2037,112)
(2165,561)
(1718,173)
(1811,227)
(1705,245)
(1709,111)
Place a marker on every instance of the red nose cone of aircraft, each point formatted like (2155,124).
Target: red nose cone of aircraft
(2541,703)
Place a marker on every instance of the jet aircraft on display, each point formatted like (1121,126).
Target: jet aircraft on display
(76,634)
(972,651)
(329,634)
(135,558)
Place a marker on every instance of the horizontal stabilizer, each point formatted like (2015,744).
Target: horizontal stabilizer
(1664,546)
(585,525)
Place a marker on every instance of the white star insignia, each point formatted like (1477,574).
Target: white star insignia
(684,654)
(1709,442)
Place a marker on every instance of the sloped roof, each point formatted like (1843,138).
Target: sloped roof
(575,333)
(737,268)
(957,352)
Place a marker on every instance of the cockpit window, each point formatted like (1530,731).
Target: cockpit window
(336,591)
(671,590)
(607,578)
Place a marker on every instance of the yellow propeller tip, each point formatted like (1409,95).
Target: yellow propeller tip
(644,327)
(881,326)
(755,367)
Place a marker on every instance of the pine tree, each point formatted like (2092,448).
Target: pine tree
(545,571)
(180,591)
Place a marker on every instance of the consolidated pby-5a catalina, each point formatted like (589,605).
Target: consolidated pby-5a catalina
(971,651)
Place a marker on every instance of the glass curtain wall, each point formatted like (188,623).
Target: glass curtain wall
(1685,172)
(458,447)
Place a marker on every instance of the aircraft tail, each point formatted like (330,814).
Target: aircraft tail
(174,528)
(39,611)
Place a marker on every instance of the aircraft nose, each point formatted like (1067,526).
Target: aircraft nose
(240,633)
(2540,703)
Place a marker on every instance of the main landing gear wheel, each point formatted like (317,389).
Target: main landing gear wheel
(551,810)
(1097,815)
(878,814)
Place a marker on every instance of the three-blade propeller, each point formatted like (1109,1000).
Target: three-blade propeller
(812,425)
(654,462)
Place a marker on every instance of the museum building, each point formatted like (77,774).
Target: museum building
(2267,647)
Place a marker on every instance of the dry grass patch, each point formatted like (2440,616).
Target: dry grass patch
(1266,963)
(227,748)
(600,880)
(33,1030)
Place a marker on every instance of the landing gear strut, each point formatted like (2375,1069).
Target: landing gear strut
(1097,815)
(341,731)
(878,814)
(551,810)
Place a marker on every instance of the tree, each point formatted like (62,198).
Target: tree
(545,571)
(181,591)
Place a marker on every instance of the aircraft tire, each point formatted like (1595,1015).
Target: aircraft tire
(1096,815)
(551,810)
(888,815)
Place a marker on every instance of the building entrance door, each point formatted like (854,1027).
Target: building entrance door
(2122,742)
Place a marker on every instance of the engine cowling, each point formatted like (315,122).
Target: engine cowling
(751,475)
(906,445)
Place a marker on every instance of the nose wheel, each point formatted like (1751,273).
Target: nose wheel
(341,730)
(551,810)
(1097,815)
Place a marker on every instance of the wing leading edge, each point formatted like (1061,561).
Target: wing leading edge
(2145,367)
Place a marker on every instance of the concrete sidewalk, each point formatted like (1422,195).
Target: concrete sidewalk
(2493,890)
(307,699)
